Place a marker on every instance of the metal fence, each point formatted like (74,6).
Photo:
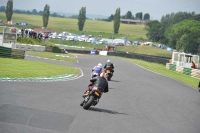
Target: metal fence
(149,58)
(11,53)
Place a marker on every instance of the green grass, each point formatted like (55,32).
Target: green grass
(24,68)
(94,27)
(57,56)
(147,50)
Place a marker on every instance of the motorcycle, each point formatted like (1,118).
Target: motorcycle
(108,74)
(91,99)
(94,74)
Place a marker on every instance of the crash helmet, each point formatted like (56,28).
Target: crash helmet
(108,60)
(100,65)
(103,75)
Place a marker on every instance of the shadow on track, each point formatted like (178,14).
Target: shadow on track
(114,81)
(105,111)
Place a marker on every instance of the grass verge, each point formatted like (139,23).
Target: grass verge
(56,56)
(16,68)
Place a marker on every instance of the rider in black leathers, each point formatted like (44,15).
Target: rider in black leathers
(110,65)
(100,82)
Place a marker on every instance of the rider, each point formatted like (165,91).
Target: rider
(100,82)
(97,70)
(110,65)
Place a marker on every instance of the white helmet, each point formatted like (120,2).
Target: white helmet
(100,65)
(108,60)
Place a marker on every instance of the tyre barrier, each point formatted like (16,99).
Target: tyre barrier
(186,71)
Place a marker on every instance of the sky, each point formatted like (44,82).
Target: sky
(156,8)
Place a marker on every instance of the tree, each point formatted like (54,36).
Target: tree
(81,18)
(40,13)
(185,36)
(54,14)
(34,11)
(139,15)
(111,17)
(74,16)
(155,31)
(174,18)
(45,17)
(117,21)
(128,15)
(123,16)
(2,8)
(197,17)
(9,10)
(132,17)
(146,16)
(17,11)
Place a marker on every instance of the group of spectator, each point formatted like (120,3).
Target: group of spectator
(28,33)
(31,34)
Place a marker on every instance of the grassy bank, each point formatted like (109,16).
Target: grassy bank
(147,50)
(94,27)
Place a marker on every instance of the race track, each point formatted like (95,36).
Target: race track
(139,101)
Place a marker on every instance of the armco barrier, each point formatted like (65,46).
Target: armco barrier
(30,47)
(155,59)
(11,53)
(5,52)
(18,54)
(186,71)
(57,50)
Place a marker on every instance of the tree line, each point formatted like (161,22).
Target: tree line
(181,31)
(129,15)
(33,12)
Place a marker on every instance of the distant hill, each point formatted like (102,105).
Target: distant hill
(91,16)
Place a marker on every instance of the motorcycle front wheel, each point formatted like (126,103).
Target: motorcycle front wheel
(89,103)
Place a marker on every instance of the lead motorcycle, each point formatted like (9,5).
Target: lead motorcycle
(92,98)
(109,74)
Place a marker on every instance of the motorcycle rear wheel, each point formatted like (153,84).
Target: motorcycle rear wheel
(89,103)
(108,77)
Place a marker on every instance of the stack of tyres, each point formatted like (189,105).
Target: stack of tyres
(172,67)
(187,71)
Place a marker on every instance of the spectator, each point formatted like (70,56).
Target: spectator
(22,32)
(30,33)
(13,30)
(26,32)
(193,65)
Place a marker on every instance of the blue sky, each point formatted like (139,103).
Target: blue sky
(156,8)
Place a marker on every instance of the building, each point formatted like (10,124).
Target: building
(42,30)
(131,21)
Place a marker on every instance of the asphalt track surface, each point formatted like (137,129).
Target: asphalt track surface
(138,101)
